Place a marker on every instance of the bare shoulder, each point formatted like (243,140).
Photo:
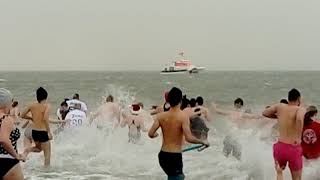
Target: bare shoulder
(182,116)
(302,110)
(48,106)
(161,115)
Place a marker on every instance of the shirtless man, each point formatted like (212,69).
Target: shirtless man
(41,133)
(290,117)
(135,122)
(231,144)
(109,111)
(175,125)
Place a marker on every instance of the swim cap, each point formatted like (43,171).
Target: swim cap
(5,97)
(135,109)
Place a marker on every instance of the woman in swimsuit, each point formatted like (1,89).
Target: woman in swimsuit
(9,135)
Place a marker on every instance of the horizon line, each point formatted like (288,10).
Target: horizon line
(219,70)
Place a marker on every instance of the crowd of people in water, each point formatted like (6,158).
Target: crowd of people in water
(182,122)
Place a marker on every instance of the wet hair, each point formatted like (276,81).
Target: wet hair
(284,101)
(185,102)
(193,102)
(238,101)
(15,104)
(64,103)
(311,111)
(109,98)
(42,94)
(293,95)
(199,101)
(76,96)
(174,97)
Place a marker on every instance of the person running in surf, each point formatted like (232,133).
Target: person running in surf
(290,117)
(75,116)
(311,134)
(175,125)
(76,99)
(41,133)
(108,112)
(230,142)
(10,168)
(135,122)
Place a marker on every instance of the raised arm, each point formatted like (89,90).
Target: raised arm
(153,130)
(187,133)
(220,111)
(271,112)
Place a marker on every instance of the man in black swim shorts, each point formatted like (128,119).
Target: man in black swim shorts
(41,133)
(175,125)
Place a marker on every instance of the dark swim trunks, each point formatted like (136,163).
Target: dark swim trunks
(40,136)
(6,164)
(172,165)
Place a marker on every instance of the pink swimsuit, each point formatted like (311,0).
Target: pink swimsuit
(291,153)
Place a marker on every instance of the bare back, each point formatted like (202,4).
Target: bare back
(38,115)
(290,123)
(171,125)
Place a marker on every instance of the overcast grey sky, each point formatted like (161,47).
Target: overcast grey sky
(146,34)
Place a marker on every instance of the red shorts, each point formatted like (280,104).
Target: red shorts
(284,153)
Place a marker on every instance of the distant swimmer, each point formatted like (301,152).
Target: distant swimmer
(110,112)
(76,99)
(10,168)
(135,122)
(290,118)
(75,117)
(175,125)
(311,134)
(41,133)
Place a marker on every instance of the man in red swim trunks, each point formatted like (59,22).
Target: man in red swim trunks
(290,117)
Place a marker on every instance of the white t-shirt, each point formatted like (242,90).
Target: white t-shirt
(75,101)
(76,118)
